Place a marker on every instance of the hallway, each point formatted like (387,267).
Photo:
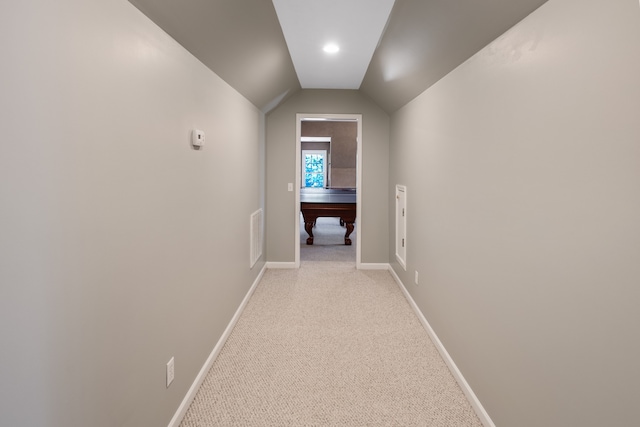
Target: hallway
(126,249)
(329,345)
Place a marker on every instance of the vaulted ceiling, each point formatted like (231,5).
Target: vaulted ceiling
(242,41)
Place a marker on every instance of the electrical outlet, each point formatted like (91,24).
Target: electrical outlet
(170,371)
(416,280)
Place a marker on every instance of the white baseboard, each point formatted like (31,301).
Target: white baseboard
(193,390)
(373,266)
(361,266)
(281,265)
(191,394)
(464,385)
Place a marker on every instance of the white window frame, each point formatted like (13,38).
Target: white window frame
(323,153)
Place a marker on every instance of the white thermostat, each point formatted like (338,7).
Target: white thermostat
(197,138)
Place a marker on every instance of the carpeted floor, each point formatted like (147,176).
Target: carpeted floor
(329,345)
(328,244)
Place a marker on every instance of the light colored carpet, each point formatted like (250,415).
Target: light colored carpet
(329,345)
(328,242)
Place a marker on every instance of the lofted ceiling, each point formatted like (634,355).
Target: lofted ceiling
(402,52)
(353,27)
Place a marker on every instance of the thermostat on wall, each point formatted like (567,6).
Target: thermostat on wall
(197,138)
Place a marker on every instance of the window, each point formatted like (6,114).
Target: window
(314,168)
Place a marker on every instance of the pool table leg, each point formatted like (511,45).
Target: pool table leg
(349,225)
(308,227)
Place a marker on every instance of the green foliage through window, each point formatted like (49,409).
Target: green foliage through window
(314,170)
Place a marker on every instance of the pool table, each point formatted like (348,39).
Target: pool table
(328,202)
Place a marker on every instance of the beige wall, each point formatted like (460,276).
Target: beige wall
(281,154)
(343,149)
(522,169)
(120,245)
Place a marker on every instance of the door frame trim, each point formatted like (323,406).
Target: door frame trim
(300,117)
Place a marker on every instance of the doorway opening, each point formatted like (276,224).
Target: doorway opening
(328,160)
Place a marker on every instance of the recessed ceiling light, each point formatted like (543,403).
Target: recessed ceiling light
(331,48)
